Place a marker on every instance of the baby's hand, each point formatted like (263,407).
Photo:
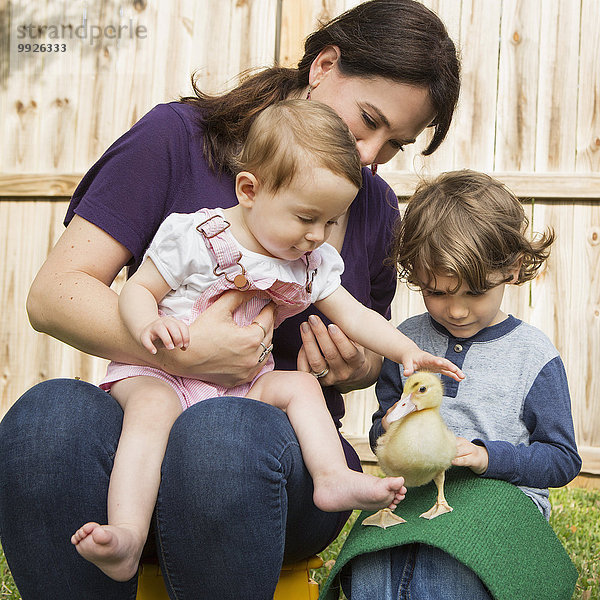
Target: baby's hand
(419,359)
(470,455)
(172,332)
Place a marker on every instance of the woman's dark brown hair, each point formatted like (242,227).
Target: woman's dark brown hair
(400,40)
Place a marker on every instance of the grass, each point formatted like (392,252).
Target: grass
(8,589)
(575,518)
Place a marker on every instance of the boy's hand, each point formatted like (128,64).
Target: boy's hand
(419,359)
(470,455)
(172,332)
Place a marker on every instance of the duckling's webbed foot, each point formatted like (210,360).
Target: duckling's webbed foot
(441,506)
(383,518)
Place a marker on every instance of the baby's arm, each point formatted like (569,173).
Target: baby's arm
(138,306)
(373,331)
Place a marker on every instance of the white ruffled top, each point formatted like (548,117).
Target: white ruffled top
(180,254)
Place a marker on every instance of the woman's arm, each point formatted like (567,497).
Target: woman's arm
(70,299)
(373,331)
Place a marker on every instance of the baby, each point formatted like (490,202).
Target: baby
(299,171)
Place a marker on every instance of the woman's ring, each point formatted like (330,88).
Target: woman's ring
(266,351)
(261,326)
(321,373)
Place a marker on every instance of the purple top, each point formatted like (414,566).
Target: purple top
(158,167)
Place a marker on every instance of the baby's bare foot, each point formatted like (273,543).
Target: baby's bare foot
(350,490)
(115,550)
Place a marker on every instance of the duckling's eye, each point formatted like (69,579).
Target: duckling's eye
(422,389)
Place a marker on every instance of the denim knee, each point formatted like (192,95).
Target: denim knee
(57,445)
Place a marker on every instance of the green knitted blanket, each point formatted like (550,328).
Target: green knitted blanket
(495,529)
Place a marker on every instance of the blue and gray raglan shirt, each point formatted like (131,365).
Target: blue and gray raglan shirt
(514,401)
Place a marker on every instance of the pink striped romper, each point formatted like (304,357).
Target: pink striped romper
(199,258)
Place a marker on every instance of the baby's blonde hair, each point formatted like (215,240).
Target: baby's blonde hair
(295,134)
(467,225)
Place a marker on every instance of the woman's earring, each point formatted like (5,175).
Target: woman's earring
(373,169)
(309,91)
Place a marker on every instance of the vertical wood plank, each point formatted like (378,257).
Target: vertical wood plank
(299,18)
(558,307)
(586,264)
(588,106)
(479,41)
(557,97)
(517,86)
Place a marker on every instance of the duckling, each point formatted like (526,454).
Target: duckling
(417,445)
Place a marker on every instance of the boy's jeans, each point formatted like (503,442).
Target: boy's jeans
(411,572)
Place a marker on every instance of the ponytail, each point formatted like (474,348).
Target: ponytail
(226,119)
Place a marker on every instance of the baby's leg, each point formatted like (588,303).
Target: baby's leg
(150,408)
(336,486)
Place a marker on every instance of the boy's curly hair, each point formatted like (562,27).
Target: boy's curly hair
(467,225)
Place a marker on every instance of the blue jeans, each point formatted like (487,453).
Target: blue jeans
(411,572)
(234,500)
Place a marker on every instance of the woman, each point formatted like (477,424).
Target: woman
(235,497)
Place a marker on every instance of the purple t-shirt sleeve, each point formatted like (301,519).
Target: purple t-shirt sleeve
(154,169)
(128,191)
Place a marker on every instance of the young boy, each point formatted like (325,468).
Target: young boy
(462,239)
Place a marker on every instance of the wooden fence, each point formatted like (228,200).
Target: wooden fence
(529,113)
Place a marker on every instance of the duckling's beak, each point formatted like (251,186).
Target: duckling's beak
(403,408)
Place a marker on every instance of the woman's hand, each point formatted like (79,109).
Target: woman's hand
(348,366)
(471,455)
(221,351)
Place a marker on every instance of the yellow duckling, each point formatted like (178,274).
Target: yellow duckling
(417,445)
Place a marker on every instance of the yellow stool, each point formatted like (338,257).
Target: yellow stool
(294,582)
